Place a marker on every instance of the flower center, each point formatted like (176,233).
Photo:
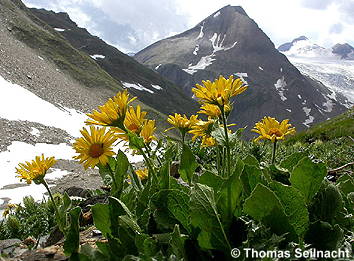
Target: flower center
(276,132)
(96,150)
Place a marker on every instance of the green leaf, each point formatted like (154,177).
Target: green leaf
(135,142)
(177,243)
(294,207)
(327,204)
(188,164)
(205,217)
(72,236)
(147,246)
(290,162)
(263,205)
(250,160)
(101,218)
(250,177)
(322,236)
(171,205)
(212,180)
(307,177)
(230,194)
(120,171)
(91,253)
(164,175)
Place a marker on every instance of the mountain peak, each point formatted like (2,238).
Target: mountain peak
(287,46)
(345,51)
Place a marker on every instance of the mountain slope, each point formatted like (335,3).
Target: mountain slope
(331,66)
(228,42)
(149,86)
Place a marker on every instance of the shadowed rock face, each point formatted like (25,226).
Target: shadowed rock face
(229,42)
(286,47)
(165,97)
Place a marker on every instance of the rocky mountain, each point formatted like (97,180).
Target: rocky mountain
(47,85)
(146,84)
(304,47)
(229,42)
(345,51)
(333,67)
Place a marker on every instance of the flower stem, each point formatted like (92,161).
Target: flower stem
(148,163)
(274,149)
(228,161)
(52,199)
(227,142)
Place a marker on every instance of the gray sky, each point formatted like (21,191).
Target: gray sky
(132,25)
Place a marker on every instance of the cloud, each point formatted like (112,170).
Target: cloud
(133,25)
(317,4)
(336,28)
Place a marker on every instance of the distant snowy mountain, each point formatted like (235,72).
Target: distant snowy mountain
(333,67)
(304,47)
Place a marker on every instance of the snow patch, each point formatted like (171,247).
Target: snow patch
(329,104)
(157,67)
(299,96)
(289,110)
(195,52)
(40,58)
(157,87)
(260,68)
(59,29)
(310,118)
(136,86)
(97,56)
(201,33)
(20,104)
(205,61)
(217,14)
(241,76)
(280,87)
(35,132)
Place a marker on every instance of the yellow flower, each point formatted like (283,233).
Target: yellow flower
(214,111)
(182,122)
(203,129)
(8,209)
(35,170)
(142,173)
(147,131)
(113,112)
(220,91)
(134,122)
(270,129)
(94,147)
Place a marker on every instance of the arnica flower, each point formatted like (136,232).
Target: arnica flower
(213,111)
(142,173)
(203,129)
(220,91)
(134,122)
(94,147)
(113,112)
(182,123)
(35,170)
(147,131)
(270,129)
(9,208)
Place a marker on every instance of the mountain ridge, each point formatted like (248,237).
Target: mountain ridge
(231,43)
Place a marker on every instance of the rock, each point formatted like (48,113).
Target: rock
(96,233)
(7,246)
(55,236)
(174,169)
(77,192)
(49,253)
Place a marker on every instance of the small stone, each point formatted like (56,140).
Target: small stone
(96,233)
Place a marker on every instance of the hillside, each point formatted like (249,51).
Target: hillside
(146,84)
(337,127)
